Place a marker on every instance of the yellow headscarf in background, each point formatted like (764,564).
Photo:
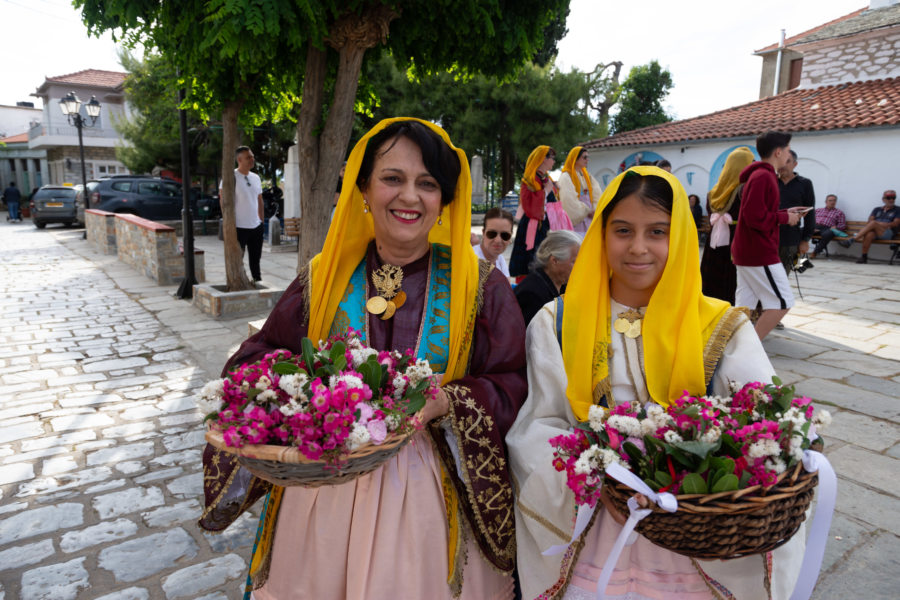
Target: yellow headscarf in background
(351,231)
(535,159)
(569,168)
(678,321)
(729,179)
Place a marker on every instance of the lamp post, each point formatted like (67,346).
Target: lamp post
(70,105)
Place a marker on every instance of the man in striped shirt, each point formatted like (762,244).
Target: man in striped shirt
(828,219)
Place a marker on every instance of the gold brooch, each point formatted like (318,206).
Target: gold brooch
(390,297)
(628,323)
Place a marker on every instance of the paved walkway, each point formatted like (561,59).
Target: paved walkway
(100,482)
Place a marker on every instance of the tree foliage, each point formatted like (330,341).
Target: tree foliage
(641,96)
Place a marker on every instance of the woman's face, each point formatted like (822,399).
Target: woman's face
(494,247)
(582,161)
(404,198)
(637,247)
(547,164)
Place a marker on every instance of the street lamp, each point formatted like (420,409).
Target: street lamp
(70,105)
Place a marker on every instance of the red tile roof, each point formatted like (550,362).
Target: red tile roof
(92,77)
(22,137)
(795,38)
(847,105)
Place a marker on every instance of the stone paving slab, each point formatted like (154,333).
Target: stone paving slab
(100,441)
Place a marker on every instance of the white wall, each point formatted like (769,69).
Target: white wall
(856,165)
(17,119)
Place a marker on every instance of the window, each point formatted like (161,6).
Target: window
(172,190)
(122,186)
(149,188)
(796,73)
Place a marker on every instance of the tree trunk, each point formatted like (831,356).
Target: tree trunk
(235,277)
(507,181)
(321,156)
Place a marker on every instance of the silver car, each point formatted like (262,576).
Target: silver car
(55,204)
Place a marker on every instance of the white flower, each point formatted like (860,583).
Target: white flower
(352,381)
(630,426)
(764,447)
(210,398)
(293,407)
(596,417)
(418,371)
(293,384)
(399,383)
(263,383)
(360,355)
(392,421)
(821,418)
(672,437)
(358,437)
(796,450)
(775,464)
(266,396)
(582,466)
(711,436)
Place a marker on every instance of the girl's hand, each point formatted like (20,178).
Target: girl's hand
(438,407)
(548,186)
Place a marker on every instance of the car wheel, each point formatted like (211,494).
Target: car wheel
(40,224)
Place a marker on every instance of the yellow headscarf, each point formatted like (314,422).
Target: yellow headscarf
(535,159)
(351,231)
(569,168)
(728,180)
(678,321)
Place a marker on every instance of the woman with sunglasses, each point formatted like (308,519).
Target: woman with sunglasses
(498,226)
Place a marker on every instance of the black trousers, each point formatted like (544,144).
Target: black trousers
(252,241)
(827,235)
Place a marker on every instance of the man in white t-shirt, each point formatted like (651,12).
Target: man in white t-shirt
(248,208)
(498,226)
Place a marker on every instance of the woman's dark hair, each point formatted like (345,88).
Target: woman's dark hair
(440,160)
(653,190)
(580,154)
(498,213)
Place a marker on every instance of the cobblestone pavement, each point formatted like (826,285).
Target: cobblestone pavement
(100,442)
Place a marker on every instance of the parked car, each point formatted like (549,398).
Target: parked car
(55,204)
(153,198)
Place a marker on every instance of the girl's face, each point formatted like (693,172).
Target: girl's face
(404,198)
(547,165)
(637,248)
(582,161)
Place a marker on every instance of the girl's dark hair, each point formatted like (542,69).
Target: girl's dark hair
(580,154)
(653,190)
(440,160)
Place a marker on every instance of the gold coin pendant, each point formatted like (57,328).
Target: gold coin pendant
(389,310)
(634,330)
(376,305)
(621,325)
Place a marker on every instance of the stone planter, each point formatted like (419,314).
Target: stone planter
(216,302)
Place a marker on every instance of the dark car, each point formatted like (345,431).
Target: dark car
(55,204)
(153,198)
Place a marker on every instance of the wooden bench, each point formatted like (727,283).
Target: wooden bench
(291,227)
(853,227)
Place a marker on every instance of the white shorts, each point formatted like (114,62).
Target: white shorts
(767,285)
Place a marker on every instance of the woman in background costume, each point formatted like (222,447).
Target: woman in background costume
(536,191)
(579,192)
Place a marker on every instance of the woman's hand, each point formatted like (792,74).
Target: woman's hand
(436,408)
(548,186)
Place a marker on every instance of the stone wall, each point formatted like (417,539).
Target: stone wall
(100,227)
(152,249)
(861,58)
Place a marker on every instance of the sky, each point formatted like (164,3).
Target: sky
(707,45)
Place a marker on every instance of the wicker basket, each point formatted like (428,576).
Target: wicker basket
(287,466)
(728,524)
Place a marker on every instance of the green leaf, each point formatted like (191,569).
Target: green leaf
(338,349)
(663,478)
(633,452)
(693,484)
(416,403)
(653,485)
(698,448)
(776,379)
(340,363)
(309,353)
(680,456)
(726,484)
(286,368)
(745,479)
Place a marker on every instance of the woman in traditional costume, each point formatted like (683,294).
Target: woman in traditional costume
(578,191)
(536,191)
(723,205)
(634,326)
(436,520)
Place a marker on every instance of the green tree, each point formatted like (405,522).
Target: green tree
(641,96)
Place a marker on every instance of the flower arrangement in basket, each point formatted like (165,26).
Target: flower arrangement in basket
(322,417)
(734,464)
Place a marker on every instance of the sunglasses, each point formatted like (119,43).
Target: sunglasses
(247,179)
(491,234)
(889,197)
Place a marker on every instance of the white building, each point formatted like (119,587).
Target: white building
(843,112)
(60,139)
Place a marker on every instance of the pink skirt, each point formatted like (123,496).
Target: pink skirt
(381,536)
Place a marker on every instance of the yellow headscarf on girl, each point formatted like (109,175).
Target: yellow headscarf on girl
(569,168)
(678,321)
(352,229)
(535,159)
(729,179)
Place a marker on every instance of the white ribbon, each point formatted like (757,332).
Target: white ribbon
(821,524)
(583,517)
(719,235)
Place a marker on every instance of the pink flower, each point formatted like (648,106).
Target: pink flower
(377,431)
(232,437)
(365,413)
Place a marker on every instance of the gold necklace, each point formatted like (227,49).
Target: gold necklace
(629,323)
(387,281)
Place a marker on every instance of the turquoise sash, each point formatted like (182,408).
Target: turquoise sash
(435,343)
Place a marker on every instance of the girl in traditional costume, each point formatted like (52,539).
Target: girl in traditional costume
(578,191)
(633,326)
(723,205)
(436,520)
(536,193)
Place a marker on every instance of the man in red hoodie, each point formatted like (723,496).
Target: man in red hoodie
(754,250)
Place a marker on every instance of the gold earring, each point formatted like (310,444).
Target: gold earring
(365,206)
(440,221)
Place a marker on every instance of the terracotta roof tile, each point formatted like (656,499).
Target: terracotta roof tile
(22,137)
(847,105)
(92,77)
(799,36)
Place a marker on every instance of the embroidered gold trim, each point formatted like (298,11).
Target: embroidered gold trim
(721,335)
(535,516)
(558,590)
(706,580)
(305,276)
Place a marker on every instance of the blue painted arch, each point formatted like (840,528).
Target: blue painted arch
(719,164)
